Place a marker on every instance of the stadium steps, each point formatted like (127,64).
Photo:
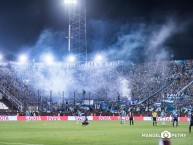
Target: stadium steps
(8,103)
(162,88)
(9,100)
(185,87)
(3,106)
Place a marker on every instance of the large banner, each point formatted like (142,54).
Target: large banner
(42,118)
(114,118)
(74,118)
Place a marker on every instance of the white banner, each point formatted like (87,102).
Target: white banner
(8,118)
(75,118)
(34,118)
(88,102)
(166,118)
(158,118)
(147,118)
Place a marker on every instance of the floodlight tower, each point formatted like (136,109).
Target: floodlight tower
(77,42)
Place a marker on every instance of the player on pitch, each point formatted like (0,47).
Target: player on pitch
(154,117)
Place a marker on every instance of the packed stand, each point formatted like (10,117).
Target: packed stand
(62,88)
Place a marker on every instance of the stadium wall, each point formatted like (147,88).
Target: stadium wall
(71,118)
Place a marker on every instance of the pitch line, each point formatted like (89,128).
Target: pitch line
(9,143)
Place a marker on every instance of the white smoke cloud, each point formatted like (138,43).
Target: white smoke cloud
(146,42)
(127,45)
(51,41)
(155,49)
(124,87)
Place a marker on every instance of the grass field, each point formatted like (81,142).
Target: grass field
(96,133)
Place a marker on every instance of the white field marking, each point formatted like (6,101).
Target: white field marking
(9,143)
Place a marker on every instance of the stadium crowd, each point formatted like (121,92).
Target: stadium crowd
(63,88)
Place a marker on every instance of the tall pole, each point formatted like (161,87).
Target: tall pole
(63,98)
(74,99)
(12,105)
(77,28)
(164,103)
(40,103)
(70,11)
(38,100)
(89,98)
(69,37)
(148,106)
(50,100)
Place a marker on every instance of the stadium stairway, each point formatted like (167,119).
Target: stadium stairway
(185,87)
(9,104)
(3,106)
(9,100)
(162,88)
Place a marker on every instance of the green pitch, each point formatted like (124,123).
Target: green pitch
(96,133)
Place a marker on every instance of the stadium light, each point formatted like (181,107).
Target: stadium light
(23,58)
(70,1)
(98,58)
(71,58)
(49,59)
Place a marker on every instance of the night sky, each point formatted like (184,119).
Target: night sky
(135,30)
